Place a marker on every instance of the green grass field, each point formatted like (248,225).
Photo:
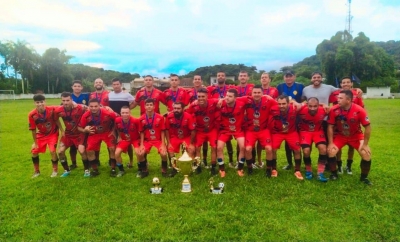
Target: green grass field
(252,208)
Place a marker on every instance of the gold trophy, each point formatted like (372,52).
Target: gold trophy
(185,165)
(216,190)
(156,189)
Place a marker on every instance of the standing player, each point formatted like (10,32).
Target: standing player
(231,124)
(80,98)
(192,92)
(244,88)
(128,131)
(118,99)
(152,133)
(344,127)
(318,89)
(219,91)
(311,118)
(294,91)
(149,91)
(346,84)
(100,94)
(205,112)
(43,120)
(98,122)
(283,128)
(175,93)
(266,88)
(256,127)
(71,115)
(180,130)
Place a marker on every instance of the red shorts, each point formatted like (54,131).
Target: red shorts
(226,136)
(75,140)
(340,141)
(94,141)
(149,144)
(50,140)
(291,138)
(176,144)
(124,145)
(211,137)
(307,138)
(262,136)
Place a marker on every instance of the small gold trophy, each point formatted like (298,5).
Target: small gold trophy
(185,165)
(156,189)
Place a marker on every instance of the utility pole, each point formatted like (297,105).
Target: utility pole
(348,29)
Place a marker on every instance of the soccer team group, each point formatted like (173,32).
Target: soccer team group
(258,117)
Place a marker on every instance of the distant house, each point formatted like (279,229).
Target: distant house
(213,79)
(187,82)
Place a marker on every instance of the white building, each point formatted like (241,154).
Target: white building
(378,92)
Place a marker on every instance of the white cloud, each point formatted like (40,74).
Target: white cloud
(80,46)
(97,65)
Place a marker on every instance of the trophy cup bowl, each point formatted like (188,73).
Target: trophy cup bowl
(185,165)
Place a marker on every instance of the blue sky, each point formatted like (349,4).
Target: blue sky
(159,37)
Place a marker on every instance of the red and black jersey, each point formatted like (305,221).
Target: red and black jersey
(232,118)
(218,92)
(179,128)
(257,113)
(103,121)
(71,118)
(271,91)
(155,94)
(101,97)
(311,123)
(348,122)
(246,90)
(283,123)
(205,117)
(333,98)
(45,122)
(152,127)
(127,130)
(170,97)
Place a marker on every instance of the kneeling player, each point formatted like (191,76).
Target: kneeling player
(180,130)
(128,130)
(312,116)
(98,122)
(346,119)
(152,133)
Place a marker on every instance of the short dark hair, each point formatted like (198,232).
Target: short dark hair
(220,71)
(125,107)
(116,79)
(93,100)
(77,82)
(202,90)
(38,97)
(243,71)
(346,77)
(257,86)
(66,94)
(149,100)
(149,76)
(234,91)
(173,75)
(283,96)
(348,93)
(179,103)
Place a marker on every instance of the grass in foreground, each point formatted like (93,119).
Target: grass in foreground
(252,208)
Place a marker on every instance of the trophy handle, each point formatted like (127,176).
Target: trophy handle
(173,163)
(196,163)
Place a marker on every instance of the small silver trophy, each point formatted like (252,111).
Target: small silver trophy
(216,190)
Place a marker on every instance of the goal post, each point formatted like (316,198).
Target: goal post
(7,94)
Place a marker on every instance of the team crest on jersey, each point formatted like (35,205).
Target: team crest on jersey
(311,126)
(232,120)
(206,119)
(256,114)
(48,125)
(100,128)
(366,118)
(152,131)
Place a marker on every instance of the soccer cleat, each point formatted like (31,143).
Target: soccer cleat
(287,167)
(198,170)
(54,174)
(250,171)
(232,165)
(298,175)
(213,171)
(144,174)
(121,173)
(274,173)
(254,166)
(340,170)
(240,173)
(113,173)
(94,173)
(86,174)
(268,173)
(327,168)
(129,165)
(65,174)
(36,174)
(309,175)
(139,174)
(261,165)
(222,173)
(73,166)
(333,177)
(348,171)
(366,181)
(322,178)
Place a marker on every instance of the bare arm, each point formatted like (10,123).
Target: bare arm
(367,134)
(34,136)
